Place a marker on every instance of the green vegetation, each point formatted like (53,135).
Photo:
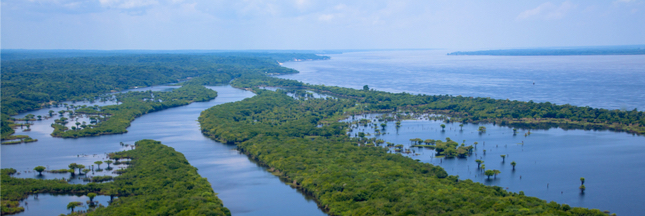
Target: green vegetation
(346,177)
(472,110)
(38,80)
(159,181)
(134,104)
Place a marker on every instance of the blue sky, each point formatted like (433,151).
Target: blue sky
(313,24)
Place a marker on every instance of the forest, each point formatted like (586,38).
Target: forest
(296,140)
(473,110)
(158,181)
(35,80)
(133,104)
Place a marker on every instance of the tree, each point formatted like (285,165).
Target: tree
(582,188)
(108,162)
(85,171)
(78,124)
(513,164)
(582,181)
(481,129)
(503,158)
(479,162)
(80,166)
(366,88)
(61,112)
(483,166)
(40,169)
(496,172)
(40,117)
(91,196)
(98,164)
(72,166)
(73,205)
(489,173)
(443,127)
(476,144)
(51,113)
(514,131)
(383,125)
(461,126)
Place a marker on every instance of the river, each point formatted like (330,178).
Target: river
(244,187)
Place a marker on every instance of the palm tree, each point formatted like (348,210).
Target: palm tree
(72,166)
(582,189)
(582,181)
(108,162)
(40,169)
(479,162)
(503,158)
(496,172)
(80,166)
(513,164)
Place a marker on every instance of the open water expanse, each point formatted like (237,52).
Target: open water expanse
(613,82)
(244,187)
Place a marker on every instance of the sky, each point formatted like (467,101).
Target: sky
(318,24)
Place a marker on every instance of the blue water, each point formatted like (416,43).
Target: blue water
(49,204)
(244,187)
(612,82)
(611,162)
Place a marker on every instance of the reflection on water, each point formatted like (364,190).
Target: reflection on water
(549,162)
(244,187)
(52,204)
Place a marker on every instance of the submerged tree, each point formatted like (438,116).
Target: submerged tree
(443,127)
(40,169)
(73,205)
(582,181)
(513,164)
(98,164)
(503,158)
(479,162)
(489,173)
(496,172)
(91,196)
(108,162)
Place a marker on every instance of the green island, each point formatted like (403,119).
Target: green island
(345,177)
(158,181)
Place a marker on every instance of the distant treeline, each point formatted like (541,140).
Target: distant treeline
(619,50)
(301,141)
(158,181)
(30,82)
(474,110)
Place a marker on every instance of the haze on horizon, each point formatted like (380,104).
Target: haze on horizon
(317,24)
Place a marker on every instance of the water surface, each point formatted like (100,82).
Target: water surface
(244,187)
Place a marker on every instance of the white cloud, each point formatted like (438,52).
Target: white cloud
(127,4)
(547,11)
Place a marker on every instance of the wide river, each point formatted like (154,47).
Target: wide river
(551,162)
(244,187)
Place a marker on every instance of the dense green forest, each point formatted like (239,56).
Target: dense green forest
(30,82)
(606,50)
(133,104)
(301,142)
(159,181)
(474,110)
